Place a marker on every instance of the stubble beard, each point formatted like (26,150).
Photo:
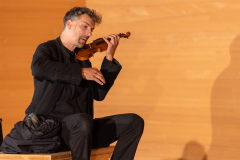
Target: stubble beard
(81,43)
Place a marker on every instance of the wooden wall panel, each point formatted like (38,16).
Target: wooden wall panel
(180,73)
(180,69)
(24,25)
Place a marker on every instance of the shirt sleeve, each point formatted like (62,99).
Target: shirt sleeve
(110,71)
(46,65)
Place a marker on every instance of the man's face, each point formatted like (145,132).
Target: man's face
(82,29)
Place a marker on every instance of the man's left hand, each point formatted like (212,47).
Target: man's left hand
(112,45)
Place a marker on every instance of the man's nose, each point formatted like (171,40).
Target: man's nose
(89,33)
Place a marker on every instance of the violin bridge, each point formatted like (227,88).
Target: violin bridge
(99,50)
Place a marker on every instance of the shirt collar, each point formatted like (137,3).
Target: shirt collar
(65,50)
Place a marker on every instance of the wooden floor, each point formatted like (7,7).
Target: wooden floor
(180,69)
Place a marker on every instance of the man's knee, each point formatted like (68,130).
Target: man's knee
(138,122)
(81,122)
(134,121)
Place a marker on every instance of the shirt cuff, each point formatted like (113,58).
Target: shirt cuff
(111,66)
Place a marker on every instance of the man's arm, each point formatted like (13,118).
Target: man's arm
(46,66)
(109,70)
(93,73)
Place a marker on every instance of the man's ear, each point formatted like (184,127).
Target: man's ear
(69,24)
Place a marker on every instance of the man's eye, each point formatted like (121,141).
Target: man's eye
(85,27)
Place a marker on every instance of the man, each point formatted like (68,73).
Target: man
(64,90)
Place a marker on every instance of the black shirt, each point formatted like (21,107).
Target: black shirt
(67,103)
(59,89)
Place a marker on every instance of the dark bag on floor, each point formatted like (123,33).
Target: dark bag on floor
(36,134)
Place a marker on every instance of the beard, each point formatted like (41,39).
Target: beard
(81,44)
(82,41)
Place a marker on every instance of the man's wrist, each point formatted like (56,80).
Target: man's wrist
(110,58)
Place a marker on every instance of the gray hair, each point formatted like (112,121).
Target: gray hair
(76,12)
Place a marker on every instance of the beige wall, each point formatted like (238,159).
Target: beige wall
(180,69)
(180,73)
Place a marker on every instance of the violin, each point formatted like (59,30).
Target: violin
(98,45)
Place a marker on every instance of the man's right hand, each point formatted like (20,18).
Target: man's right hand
(93,74)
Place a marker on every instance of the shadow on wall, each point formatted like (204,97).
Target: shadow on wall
(193,151)
(225,110)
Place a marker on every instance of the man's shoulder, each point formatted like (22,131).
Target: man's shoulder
(50,46)
(50,43)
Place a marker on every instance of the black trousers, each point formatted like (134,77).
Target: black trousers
(80,133)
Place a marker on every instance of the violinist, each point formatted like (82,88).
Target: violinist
(65,88)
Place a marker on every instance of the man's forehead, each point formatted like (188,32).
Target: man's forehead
(87,20)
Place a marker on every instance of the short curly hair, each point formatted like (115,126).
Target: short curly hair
(76,12)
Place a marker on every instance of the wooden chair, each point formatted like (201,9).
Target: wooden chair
(96,154)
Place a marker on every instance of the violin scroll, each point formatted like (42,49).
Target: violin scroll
(121,35)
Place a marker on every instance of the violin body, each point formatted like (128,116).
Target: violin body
(98,45)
